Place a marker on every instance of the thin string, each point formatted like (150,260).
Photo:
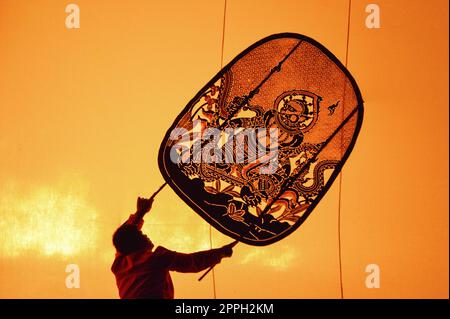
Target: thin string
(221,65)
(223,33)
(340,174)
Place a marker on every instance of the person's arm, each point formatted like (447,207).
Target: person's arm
(143,206)
(198,261)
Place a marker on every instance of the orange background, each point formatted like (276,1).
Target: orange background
(83,111)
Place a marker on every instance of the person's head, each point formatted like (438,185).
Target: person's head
(129,239)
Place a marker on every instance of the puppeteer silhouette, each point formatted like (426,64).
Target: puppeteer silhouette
(143,272)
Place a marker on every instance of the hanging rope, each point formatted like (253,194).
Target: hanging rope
(210,227)
(340,174)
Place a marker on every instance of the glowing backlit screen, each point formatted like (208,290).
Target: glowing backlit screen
(89,90)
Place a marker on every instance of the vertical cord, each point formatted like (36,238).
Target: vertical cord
(213,274)
(223,33)
(221,65)
(340,174)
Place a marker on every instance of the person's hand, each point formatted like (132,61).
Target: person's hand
(143,205)
(227,250)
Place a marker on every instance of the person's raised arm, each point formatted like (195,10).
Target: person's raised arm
(143,206)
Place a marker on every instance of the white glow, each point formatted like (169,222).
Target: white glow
(49,220)
(279,259)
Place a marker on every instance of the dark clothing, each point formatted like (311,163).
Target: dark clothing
(145,274)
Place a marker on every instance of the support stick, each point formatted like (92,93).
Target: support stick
(205,273)
(211,268)
(159,189)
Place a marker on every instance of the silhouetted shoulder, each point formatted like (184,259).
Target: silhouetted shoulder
(163,256)
(160,250)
